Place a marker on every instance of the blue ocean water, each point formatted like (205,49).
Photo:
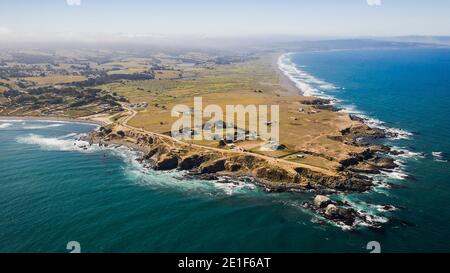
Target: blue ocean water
(408,92)
(52,191)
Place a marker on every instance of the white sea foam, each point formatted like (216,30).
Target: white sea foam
(135,170)
(11,120)
(36,127)
(439,157)
(364,206)
(364,219)
(396,174)
(369,214)
(71,135)
(175,180)
(303,80)
(5,125)
(60,122)
(55,143)
(405,153)
(232,187)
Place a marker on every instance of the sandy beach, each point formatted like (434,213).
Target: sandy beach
(52,119)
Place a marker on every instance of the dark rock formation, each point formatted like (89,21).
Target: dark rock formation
(339,212)
(362,131)
(316,101)
(383,163)
(161,155)
(380,149)
(213,167)
(374,165)
(167,162)
(354,159)
(275,174)
(193,161)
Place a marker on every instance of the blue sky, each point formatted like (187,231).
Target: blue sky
(55,18)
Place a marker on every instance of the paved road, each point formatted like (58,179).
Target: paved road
(131,113)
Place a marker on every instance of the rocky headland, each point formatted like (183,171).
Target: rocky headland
(161,152)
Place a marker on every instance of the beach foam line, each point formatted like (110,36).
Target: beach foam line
(301,79)
(12,120)
(71,142)
(135,170)
(53,143)
(312,86)
(42,126)
(49,120)
(5,125)
(70,135)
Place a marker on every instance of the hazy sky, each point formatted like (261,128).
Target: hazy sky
(98,19)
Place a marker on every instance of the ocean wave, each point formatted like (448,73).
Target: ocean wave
(360,205)
(363,219)
(175,180)
(5,125)
(303,80)
(311,86)
(231,186)
(370,215)
(439,157)
(11,120)
(407,154)
(54,143)
(71,135)
(135,170)
(36,127)
(396,174)
(394,133)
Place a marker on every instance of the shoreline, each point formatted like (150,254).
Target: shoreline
(390,133)
(207,164)
(285,82)
(346,218)
(394,133)
(52,119)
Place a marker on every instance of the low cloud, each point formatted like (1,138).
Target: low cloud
(5,31)
(374,2)
(73,2)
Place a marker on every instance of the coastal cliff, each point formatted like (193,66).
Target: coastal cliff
(164,153)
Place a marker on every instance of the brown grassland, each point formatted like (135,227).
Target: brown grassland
(55,79)
(306,134)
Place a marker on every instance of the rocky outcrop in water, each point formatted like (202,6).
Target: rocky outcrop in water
(361,133)
(340,212)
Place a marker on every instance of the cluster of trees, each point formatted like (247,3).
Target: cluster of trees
(53,96)
(105,78)
(232,59)
(26,58)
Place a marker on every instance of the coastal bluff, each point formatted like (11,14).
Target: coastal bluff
(161,152)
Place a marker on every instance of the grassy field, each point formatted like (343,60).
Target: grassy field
(55,79)
(126,66)
(306,134)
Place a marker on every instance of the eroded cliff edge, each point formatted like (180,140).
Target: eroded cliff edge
(161,152)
